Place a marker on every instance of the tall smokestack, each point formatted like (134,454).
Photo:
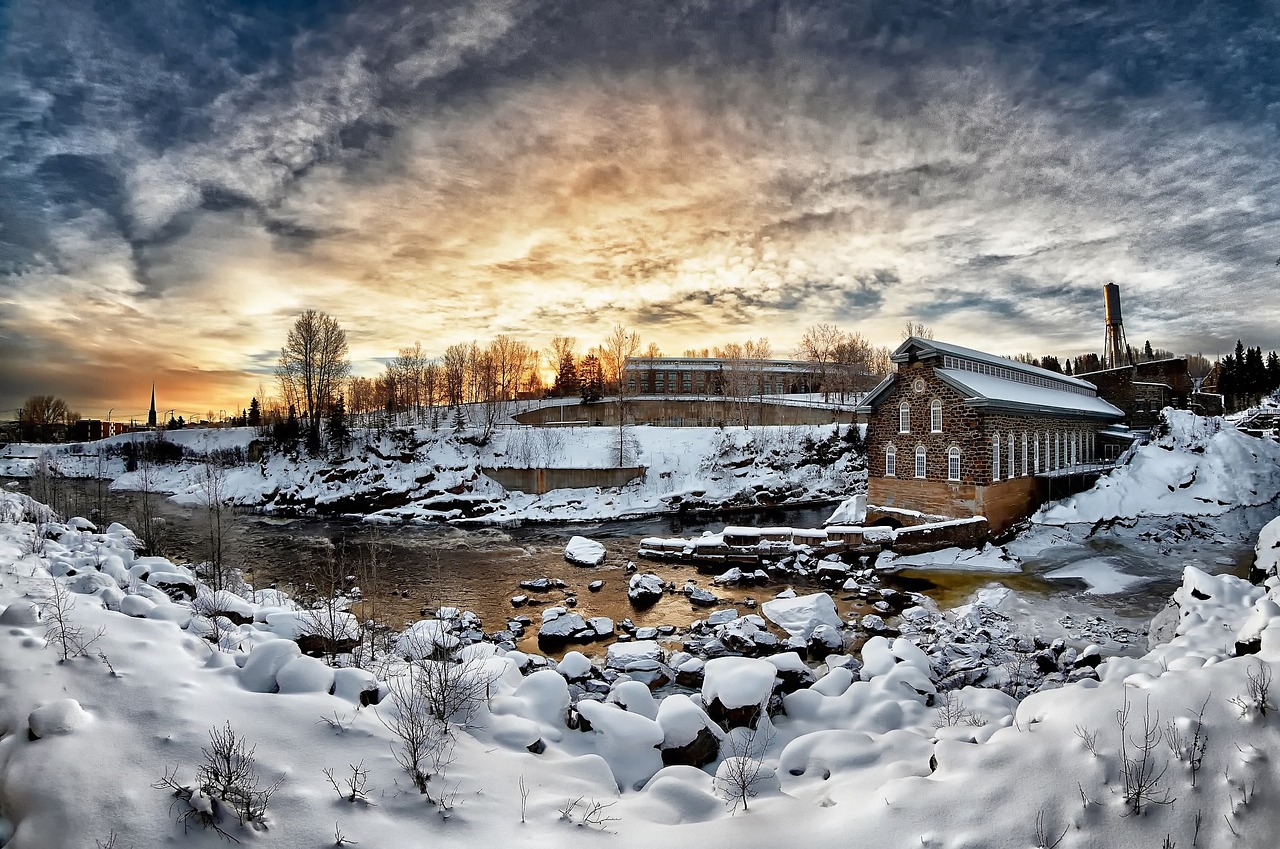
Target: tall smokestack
(1116,347)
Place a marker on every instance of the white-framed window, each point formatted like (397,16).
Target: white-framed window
(890,462)
(1011,470)
(1035,438)
(920,461)
(995,457)
(1024,453)
(904,417)
(935,415)
(953,463)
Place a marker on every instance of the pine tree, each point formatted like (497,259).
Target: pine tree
(338,432)
(1273,372)
(592,379)
(255,413)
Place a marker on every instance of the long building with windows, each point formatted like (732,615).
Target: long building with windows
(668,376)
(958,433)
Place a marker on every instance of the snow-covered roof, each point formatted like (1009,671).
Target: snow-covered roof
(984,390)
(925,348)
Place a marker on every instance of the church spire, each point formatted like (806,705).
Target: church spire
(151,416)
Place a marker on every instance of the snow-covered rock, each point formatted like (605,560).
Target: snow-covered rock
(60,717)
(800,615)
(644,589)
(581,551)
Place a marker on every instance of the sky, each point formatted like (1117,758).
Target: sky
(179,180)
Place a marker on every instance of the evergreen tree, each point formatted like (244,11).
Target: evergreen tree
(255,413)
(1068,368)
(1147,353)
(1273,372)
(1050,362)
(567,379)
(459,422)
(338,432)
(592,379)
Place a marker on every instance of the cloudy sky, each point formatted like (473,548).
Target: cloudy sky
(178,180)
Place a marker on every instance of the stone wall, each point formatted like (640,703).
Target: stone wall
(1003,504)
(670,412)
(1144,389)
(539,481)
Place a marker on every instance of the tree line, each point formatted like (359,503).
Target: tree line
(472,383)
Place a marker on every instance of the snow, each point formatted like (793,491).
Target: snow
(1102,575)
(737,681)
(61,717)
(1203,467)
(870,752)
(1025,396)
(800,615)
(584,552)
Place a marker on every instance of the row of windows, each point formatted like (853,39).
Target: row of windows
(935,417)
(1060,450)
(953,462)
(1016,376)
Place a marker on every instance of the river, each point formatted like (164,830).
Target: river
(1128,573)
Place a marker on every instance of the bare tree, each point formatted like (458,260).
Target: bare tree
(217,522)
(313,364)
(619,346)
(40,413)
(70,639)
(742,771)
(918,329)
(818,346)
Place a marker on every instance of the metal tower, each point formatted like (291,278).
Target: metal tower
(1116,347)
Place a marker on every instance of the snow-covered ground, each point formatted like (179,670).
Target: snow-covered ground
(872,750)
(1172,747)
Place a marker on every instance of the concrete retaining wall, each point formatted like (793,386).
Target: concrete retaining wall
(538,481)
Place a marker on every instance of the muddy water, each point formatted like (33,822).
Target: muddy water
(422,567)
(479,568)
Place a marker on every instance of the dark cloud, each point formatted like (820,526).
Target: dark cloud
(698,168)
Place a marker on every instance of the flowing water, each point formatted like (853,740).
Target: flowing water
(1126,577)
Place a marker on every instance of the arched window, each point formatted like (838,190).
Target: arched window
(1010,470)
(953,463)
(1057,450)
(1035,439)
(995,457)
(904,417)
(935,416)
(890,462)
(1024,453)
(920,461)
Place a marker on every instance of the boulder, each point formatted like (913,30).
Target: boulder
(703,598)
(799,616)
(584,552)
(645,589)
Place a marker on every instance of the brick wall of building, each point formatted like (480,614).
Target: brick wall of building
(967,428)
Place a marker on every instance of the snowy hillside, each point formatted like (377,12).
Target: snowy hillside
(422,474)
(1201,467)
(1174,746)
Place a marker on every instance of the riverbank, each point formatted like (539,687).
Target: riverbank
(422,475)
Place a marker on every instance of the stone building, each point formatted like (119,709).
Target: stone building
(955,432)
(674,376)
(1143,389)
